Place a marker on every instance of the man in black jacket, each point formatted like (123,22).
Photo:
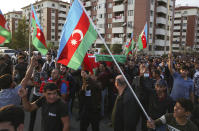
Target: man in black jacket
(124,115)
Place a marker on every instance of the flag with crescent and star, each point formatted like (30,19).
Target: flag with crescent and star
(142,41)
(5,34)
(77,36)
(38,39)
(129,46)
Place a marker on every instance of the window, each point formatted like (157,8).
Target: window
(130,13)
(109,25)
(130,2)
(53,30)
(109,15)
(130,24)
(53,37)
(53,5)
(108,35)
(151,13)
(110,5)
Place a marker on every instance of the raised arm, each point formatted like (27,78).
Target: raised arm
(28,72)
(170,64)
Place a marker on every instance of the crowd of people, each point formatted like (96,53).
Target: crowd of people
(167,87)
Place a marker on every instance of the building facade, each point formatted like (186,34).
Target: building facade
(12,19)
(186,29)
(116,20)
(52,16)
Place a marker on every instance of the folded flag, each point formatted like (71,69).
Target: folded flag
(5,34)
(142,41)
(77,36)
(38,39)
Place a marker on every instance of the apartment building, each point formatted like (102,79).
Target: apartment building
(12,19)
(117,19)
(52,16)
(186,29)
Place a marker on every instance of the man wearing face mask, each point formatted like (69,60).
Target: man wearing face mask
(182,85)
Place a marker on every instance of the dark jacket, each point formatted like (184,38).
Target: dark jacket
(90,105)
(126,112)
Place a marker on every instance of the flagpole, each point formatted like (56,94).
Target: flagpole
(168,15)
(30,25)
(138,101)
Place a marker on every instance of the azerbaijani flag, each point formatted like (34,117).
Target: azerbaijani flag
(38,39)
(78,34)
(129,46)
(5,34)
(142,41)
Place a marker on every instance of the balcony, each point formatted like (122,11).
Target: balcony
(177,22)
(60,27)
(117,40)
(165,1)
(161,20)
(87,4)
(131,7)
(118,8)
(178,15)
(101,1)
(62,15)
(162,9)
(100,21)
(89,13)
(175,45)
(160,31)
(117,0)
(176,33)
(101,11)
(150,30)
(101,30)
(98,41)
(118,19)
(61,21)
(160,42)
(176,27)
(117,30)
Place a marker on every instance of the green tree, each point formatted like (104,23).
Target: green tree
(20,38)
(50,45)
(116,48)
(103,50)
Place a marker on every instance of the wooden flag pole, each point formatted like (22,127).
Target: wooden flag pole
(138,101)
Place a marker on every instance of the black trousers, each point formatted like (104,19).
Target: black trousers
(33,114)
(92,119)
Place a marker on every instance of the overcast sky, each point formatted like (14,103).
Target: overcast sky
(10,5)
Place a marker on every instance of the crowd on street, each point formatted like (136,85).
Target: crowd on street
(166,86)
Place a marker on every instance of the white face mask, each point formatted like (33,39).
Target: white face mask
(146,74)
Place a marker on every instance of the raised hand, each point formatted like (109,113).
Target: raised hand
(22,92)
